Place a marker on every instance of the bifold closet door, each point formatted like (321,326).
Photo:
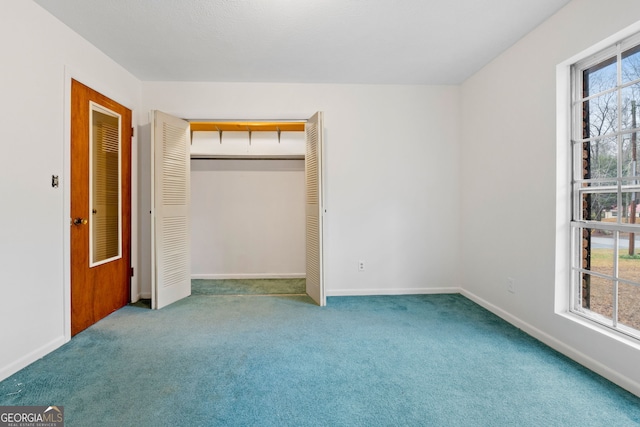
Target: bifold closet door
(314,209)
(171,246)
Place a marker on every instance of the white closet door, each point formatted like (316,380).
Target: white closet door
(171,227)
(313,201)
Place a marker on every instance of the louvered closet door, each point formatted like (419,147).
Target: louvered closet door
(313,201)
(172,258)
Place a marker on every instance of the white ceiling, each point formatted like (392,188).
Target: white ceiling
(321,41)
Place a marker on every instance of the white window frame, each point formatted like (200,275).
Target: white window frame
(577,223)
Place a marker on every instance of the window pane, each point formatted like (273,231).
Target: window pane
(631,65)
(629,213)
(600,299)
(600,207)
(601,114)
(630,98)
(629,257)
(629,305)
(603,158)
(600,77)
(602,253)
(630,155)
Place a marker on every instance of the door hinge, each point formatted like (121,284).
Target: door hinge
(132,133)
(131,271)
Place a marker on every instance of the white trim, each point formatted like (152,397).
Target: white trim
(558,345)
(216,276)
(564,152)
(392,291)
(66,215)
(31,357)
(615,335)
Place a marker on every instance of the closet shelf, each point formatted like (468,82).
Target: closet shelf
(210,126)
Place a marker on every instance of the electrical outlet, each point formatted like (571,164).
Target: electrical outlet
(360,265)
(511,286)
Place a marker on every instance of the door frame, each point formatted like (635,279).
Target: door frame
(109,90)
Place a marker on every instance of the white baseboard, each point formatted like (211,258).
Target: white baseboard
(28,359)
(558,345)
(392,291)
(250,276)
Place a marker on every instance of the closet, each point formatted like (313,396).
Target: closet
(253,206)
(247,201)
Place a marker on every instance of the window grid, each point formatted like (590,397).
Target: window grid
(599,125)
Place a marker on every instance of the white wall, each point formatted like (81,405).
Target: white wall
(34,219)
(247,218)
(391,169)
(508,183)
(261,145)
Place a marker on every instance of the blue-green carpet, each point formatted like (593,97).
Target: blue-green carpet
(247,286)
(420,360)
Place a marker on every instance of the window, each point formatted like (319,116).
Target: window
(105,184)
(605,225)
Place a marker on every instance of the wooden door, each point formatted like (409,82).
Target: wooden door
(100,206)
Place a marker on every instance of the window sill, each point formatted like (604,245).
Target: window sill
(601,329)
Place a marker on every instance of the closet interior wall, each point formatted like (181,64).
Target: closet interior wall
(247,218)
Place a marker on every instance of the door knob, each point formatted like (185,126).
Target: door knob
(79,221)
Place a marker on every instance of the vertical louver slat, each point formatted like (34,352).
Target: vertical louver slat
(176,265)
(173,166)
(313,261)
(312,164)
